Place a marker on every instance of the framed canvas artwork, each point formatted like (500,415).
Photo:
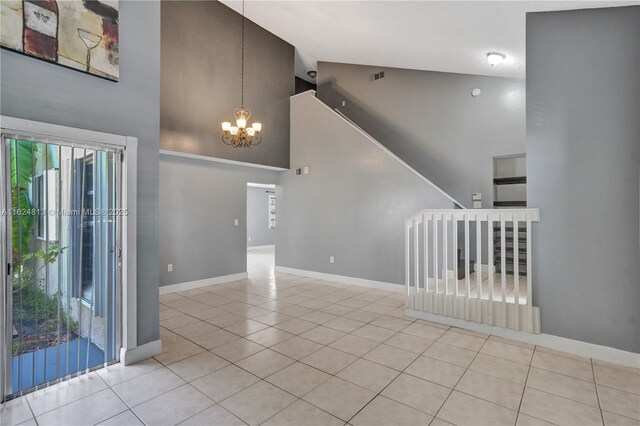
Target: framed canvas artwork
(78,34)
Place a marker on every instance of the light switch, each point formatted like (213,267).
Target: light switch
(477,204)
(235,222)
(170,267)
(477,195)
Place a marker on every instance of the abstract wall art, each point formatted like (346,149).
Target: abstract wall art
(78,34)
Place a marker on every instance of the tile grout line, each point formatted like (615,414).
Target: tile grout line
(461,376)
(524,387)
(336,376)
(595,384)
(400,373)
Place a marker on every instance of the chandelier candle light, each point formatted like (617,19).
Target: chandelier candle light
(240,135)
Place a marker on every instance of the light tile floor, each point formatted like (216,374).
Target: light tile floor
(278,349)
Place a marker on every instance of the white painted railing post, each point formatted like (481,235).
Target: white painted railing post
(491,268)
(416,248)
(479,267)
(425,228)
(529,274)
(407,276)
(503,270)
(435,258)
(445,258)
(516,272)
(467,277)
(454,223)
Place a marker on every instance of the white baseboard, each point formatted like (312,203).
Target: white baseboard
(361,282)
(140,353)
(576,347)
(483,268)
(270,246)
(165,289)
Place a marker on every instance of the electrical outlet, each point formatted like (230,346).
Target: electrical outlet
(344,103)
(298,171)
(477,204)
(477,196)
(236,222)
(332,259)
(305,170)
(170,267)
(249,239)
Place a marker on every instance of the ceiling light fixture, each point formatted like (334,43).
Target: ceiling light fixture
(240,135)
(494,58)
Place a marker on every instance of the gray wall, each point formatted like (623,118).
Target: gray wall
(199,201)
(201,82)
(430,120)
(583,137)
(40,91)
(258,218)
(353,203)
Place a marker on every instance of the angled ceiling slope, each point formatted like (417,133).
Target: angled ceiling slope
(452,36)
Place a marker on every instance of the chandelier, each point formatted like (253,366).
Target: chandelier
(240,135)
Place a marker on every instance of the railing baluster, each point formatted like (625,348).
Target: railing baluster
(445,258)
(479,266)
(516,273)
(503,269)
(435,258)
(529,276)
(454,223)
(425,227)
(416,248)
(467,278)
(407,276)
(490,267)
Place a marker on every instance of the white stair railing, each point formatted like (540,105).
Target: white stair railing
(496,290)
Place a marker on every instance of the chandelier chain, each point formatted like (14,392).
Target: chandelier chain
(242,65)
(241,135)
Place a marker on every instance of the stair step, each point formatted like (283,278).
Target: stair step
(513,203)
(513,180)
(509,239)
(509,228)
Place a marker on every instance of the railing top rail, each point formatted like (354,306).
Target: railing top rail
(531,214)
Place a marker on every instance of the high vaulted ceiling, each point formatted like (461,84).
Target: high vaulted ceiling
(452,36)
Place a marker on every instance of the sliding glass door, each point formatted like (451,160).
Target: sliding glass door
(62,220)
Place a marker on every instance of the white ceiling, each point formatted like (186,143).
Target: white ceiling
(452,36)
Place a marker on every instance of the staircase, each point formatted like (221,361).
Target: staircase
(515,246)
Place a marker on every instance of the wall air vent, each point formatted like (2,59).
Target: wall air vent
(378,76)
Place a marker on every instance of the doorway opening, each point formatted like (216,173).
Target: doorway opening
(261,229)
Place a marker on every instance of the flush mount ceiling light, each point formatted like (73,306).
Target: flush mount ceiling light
(240,135)
(494,58)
